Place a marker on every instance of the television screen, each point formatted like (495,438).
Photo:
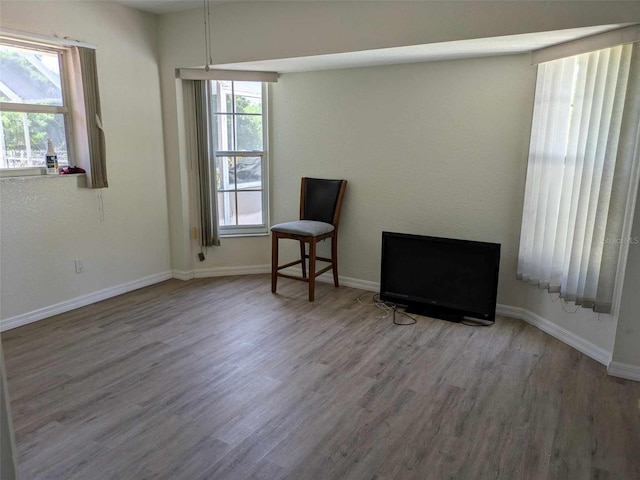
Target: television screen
(440,275)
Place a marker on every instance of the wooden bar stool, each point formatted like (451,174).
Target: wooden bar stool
(320,205)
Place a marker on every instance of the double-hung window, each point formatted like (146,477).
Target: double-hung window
(239,111)
(33,105)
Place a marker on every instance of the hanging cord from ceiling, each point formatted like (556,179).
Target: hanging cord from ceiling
(206,13)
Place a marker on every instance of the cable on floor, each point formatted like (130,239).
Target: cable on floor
(386,307)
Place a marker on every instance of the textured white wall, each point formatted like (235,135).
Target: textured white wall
(48,222)
(434,149)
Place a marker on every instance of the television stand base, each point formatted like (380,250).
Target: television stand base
(435,313)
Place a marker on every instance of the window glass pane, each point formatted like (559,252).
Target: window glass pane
(225,173)
(248,96)
(29,76)
(227,208)
(24,139)
(249,208)
(222,96)
(223,132)
(249,173)
(249,132)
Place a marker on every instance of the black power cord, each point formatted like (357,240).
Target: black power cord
(386,307)
(414,319)
(393,308)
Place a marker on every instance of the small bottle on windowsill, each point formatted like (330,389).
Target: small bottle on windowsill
(51,159)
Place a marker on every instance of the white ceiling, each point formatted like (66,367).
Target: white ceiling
(481,47)
(164,6)
(168,6)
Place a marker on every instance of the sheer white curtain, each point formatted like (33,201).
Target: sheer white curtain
(581,154)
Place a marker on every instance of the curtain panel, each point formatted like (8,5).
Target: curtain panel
(89,139)
(579,177)
(197,97)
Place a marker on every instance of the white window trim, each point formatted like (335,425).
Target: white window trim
(43,40)
(230,231)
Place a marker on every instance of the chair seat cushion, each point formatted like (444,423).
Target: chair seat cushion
(307,228)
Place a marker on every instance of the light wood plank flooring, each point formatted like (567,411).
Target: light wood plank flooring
(220,379)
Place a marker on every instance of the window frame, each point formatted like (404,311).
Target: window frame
(256,229)
(65,109)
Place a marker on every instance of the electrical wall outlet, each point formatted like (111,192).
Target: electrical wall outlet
(79,265)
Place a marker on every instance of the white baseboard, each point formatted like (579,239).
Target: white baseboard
(261,269)
(589,349)
(624,370)
(183,274)
(231,271)
(511,312)
(598,354)
(81,301)
(344,281)
(350,282)
(221,272)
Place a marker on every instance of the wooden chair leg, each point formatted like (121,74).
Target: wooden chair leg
(274,262)
(334,259)
(312,269)
(304,261)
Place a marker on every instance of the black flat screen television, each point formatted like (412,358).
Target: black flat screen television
(440,277)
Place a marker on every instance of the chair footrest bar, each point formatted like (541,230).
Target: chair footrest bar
(290,264)
(319,272)
(326,269)
(302,279)
(322,259)
(292,277)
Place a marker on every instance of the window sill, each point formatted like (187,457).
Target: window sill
(22,172)
(81,177)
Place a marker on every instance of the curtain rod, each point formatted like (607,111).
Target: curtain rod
(216,74)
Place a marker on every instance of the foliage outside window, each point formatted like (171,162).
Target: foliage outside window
(33,106)
(240,156)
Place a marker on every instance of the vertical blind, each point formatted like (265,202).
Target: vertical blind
(583,139)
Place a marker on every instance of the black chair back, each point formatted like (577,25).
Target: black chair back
(320,199)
